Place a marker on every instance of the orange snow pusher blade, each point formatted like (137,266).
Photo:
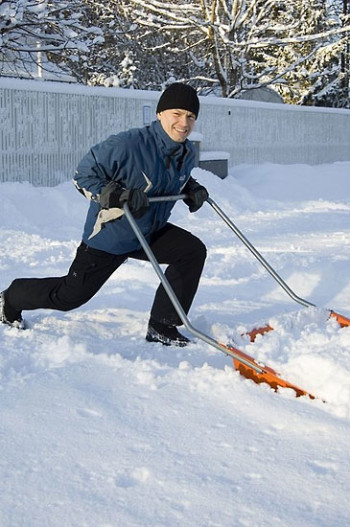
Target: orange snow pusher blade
(266,375)
(258,331)
(342,321)
(246,365)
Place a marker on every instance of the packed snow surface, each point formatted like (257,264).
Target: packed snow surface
(99,428)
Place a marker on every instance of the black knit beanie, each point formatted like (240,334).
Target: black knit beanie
(180,96)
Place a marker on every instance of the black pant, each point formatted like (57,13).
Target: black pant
(90,269)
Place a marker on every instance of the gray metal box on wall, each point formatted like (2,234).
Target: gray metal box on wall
(215,162)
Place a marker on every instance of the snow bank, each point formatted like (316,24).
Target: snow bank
(100,428)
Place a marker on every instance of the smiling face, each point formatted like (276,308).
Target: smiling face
(178,124)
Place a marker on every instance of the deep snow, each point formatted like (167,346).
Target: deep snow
(99,428)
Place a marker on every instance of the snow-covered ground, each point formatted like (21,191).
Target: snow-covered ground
(99,428)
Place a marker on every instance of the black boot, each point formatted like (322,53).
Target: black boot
(165,334)
(9,316)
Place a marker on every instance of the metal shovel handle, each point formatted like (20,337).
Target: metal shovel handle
(258,256)
(169,290)
(176,197)
(246,242)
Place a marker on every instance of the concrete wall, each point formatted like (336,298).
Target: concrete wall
(264,132)
(45,128)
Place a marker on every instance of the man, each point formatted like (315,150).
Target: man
(129,168)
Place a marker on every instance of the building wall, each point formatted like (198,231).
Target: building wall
(46,127)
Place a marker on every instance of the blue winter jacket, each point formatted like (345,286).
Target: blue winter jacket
(145,158)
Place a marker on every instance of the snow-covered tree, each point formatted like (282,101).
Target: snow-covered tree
(108,60)
(320,78)
(298,47)
(293,45)
(33,29)
(132,55)
(343,94)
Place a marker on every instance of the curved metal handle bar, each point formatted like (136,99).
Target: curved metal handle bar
(257,255)
(176,197)
(246,242)
(170,292)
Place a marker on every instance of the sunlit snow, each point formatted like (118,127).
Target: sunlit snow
(99,428)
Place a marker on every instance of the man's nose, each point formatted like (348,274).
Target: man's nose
(184,120)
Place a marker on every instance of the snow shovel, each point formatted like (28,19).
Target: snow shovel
(342,320)
(246,365)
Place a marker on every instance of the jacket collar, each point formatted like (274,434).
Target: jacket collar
(168,146)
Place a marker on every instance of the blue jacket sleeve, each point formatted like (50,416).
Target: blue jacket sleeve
(98,167)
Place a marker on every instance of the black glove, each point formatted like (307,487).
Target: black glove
(196,195)
(114,195)
(137,201)
(110,195)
